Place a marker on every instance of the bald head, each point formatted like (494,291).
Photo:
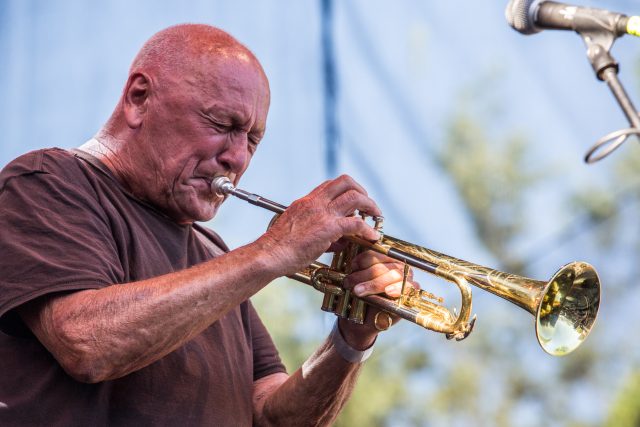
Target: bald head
(184,54)
(187,47)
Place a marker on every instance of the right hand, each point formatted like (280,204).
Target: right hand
(313,223)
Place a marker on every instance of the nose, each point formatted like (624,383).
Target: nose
(235,155)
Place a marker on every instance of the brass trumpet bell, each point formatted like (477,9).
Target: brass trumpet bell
(567,308)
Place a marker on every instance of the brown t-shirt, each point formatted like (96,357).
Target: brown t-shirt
(65,225)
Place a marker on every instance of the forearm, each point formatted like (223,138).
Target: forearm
(103,334)
(315,394)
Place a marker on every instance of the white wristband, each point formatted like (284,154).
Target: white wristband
(347,352)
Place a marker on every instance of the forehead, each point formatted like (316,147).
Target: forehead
(234,86)
(232,77)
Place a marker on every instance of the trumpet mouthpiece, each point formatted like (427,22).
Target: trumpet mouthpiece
(221,185)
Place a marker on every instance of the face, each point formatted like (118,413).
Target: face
(198,127)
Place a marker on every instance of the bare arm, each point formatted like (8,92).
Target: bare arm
(312,396)
(103,334)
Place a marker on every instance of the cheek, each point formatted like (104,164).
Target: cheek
(192,164)
(209,146)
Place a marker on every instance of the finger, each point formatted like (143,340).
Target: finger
(321,192)
(340,185)
(351,200)
(380,284)
(368,258)
(394,290)
(322,187)
(355,226)
(370,273)
(346,204)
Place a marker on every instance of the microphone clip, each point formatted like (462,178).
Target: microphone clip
(606,68)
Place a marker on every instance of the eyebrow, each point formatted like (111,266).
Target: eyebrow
(231,115)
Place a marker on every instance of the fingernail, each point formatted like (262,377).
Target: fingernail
(359,289)
(391,288)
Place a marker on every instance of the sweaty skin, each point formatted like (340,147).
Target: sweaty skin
(195,106)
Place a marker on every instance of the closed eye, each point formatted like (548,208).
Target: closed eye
(221,127)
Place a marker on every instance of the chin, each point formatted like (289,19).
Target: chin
(200,215)
(195,209)
(206,214)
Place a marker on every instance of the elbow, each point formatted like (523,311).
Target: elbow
(70,338)
(80,358)
(83,366)
(84,371)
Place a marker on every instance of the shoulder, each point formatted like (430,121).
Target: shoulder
(48,161)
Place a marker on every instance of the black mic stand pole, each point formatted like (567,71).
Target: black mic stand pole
(606,68)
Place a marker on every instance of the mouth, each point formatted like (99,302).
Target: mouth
(213,194)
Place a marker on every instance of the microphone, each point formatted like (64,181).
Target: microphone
(598,28)
(532,16)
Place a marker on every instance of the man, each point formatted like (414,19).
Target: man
(119,309)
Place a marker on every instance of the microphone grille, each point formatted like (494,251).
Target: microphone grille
(521,15)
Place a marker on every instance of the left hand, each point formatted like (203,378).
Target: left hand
(373,273)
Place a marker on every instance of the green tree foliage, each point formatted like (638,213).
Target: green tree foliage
(625,412)
(491,180)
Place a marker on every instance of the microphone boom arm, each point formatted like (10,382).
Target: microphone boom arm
(599,43)
(599,29)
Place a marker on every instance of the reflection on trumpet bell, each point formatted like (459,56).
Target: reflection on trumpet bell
(568,308)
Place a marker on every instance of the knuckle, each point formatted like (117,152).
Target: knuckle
(344,177)
(325,183)
(351,195)
(381,269)
(344,223)
(352,223)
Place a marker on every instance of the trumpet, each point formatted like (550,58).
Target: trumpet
(565,307)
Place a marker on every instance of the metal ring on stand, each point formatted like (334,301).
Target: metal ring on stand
(611,142)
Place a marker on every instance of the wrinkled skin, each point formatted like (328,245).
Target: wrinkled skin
(183,132)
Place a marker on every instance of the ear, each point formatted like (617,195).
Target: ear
(135,99)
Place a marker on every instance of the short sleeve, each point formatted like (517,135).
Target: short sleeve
(266,360)
(53,235)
